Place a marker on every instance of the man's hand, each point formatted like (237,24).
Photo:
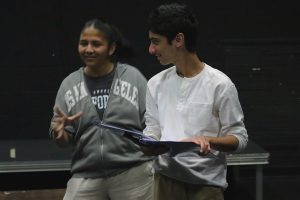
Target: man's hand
(227,143)
(203,141)
(60,121)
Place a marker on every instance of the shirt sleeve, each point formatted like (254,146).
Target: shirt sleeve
(142,98)
(152,122)
(232,117)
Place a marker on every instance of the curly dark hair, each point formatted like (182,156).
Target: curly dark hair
(170,19)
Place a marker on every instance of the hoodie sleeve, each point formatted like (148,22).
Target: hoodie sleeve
(60,102)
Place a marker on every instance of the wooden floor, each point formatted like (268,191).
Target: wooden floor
(53,194)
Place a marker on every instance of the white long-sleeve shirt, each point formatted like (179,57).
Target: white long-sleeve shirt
(206,104)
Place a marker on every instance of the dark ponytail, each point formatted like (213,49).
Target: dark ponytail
(124,50)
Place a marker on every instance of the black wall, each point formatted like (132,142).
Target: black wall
(257,43)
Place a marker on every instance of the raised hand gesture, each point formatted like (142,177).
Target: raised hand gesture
(60,120)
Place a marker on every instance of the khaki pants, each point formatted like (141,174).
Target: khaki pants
(166,188)
(133,184)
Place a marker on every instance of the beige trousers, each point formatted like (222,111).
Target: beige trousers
(133,184)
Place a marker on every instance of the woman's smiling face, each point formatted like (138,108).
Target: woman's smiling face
(94,48)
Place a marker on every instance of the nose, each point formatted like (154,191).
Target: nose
(151,49)
(89,49)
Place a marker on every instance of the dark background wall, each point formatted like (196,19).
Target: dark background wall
(255,42)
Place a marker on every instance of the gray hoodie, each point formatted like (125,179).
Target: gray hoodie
(99,153)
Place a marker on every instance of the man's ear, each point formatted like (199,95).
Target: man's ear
(179,40)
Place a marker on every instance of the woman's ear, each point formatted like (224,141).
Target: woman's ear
(112,49)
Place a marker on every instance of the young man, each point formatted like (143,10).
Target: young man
(190,101)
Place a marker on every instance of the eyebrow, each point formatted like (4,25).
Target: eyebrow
(154,39)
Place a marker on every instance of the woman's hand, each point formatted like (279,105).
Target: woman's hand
(60,121)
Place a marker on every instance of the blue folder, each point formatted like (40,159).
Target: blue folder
(174,146)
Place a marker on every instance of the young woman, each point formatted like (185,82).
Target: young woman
(104,165)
